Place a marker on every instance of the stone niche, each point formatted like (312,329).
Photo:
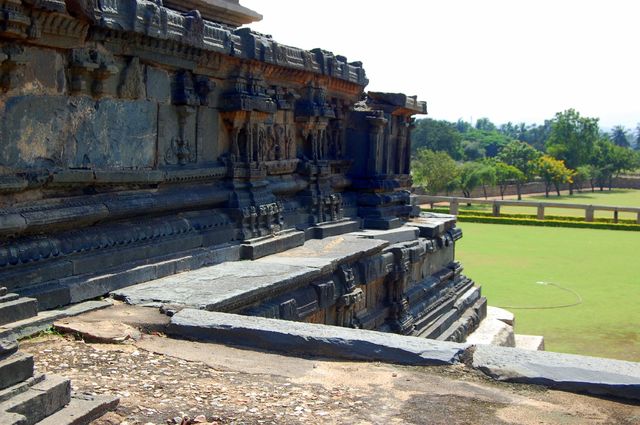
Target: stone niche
(141,139)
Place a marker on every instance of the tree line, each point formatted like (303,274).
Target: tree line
(568,149)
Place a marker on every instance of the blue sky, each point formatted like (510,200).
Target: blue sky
(509,60)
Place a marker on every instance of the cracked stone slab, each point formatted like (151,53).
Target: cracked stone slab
(567,372)
(313,339)
(222,287)
(326,254)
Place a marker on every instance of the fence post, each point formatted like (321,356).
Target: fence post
(540,212)
(496,210)
(615,216)
(588,214)
(453,207)
(638,219)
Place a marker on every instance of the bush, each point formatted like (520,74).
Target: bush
(549,221)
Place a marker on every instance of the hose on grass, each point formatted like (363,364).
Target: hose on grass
(577,302)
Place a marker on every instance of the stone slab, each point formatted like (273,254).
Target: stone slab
(223,287)
(8,297)
(106,331)
(567,372)
(502,315)
(14,369)
(313,339)
(41,400)
(268,245)
(326,230)
(82,410)
(493,331)
(19,388)
(8,346)
(393,236)
(18,309)
(45,319)
(432,225)
(530,342)
(326,254)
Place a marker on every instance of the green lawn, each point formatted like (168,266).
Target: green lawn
(513,263)
(616,197)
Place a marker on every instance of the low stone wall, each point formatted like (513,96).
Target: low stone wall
(623,182)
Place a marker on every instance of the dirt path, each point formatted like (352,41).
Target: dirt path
(159,378)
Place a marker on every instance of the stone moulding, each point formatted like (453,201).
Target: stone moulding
(140,141)
(227,11)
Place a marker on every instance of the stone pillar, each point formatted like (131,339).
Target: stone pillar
(454,206)
(540,212)
(588,214)
(496,210)
(377,123)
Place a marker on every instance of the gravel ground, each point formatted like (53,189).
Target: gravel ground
(160,380)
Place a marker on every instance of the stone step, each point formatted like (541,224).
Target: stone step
(530,342)
(8,297)
(82,410)
(14,369)
(19,388)
(8,346)
(20,309)
(40,401)
(45,319)
(493,332)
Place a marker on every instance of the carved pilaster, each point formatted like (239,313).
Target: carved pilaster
(12,62)
(89,69)
(14,21)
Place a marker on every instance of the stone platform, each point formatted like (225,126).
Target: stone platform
(390,280)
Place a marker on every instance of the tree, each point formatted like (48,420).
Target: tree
(583,174)
(521,156)
(505,175)
(435,171)
(470,177)
(610,160)
(485,124)
(637,147)
(486,176)
(553,171)
(572,139)
(620,136)
(437,136)
(472,150)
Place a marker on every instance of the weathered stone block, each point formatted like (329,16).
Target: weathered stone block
(158,84)
(78,132)
(560,371)
(207,135)
(312,339)
(22,308)
(14,369)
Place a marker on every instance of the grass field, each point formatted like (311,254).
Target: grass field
(616,197)
(516,266)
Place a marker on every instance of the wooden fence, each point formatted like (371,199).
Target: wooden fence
(589,210)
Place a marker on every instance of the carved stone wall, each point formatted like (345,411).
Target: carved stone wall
(134,136)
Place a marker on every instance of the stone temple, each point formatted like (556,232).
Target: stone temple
(155,151)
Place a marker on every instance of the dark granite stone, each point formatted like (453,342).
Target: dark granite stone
(14,369)
(18,309)
(560,371)
(312,339)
